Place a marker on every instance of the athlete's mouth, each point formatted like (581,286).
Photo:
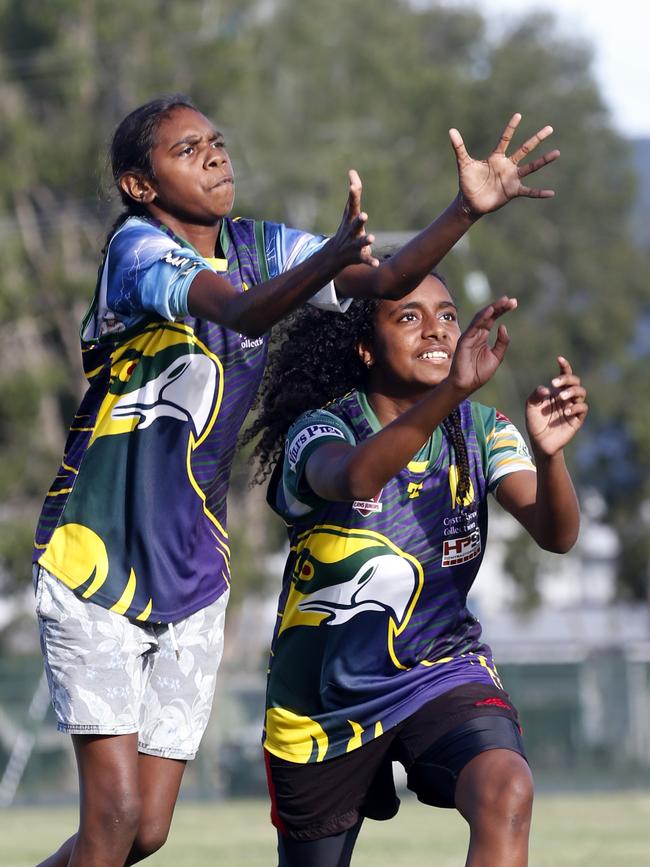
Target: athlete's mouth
(222,182)
(434,355)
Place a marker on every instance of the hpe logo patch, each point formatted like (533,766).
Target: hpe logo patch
(461,549)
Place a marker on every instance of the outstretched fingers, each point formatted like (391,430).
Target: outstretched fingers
(530,144)
(353,206)
(462,157)
(485,319)
(508,133)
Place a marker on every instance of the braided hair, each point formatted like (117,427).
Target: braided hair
(314,359)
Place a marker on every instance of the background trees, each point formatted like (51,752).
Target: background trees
(304,90)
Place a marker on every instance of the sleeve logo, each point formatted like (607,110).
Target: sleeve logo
(176,261)
(306,436)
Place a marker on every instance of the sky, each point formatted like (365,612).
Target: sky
(620,33)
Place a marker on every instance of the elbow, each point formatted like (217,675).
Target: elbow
(559,544)
(359,489)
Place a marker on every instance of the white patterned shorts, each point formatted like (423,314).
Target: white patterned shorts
(109,675)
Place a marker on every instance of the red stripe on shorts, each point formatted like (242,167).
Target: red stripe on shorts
(275,816)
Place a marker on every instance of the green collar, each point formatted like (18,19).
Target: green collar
(425,458)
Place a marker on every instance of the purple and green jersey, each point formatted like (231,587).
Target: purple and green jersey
(136,517)
(373,620)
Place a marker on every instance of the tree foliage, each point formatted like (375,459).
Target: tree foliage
(303,91)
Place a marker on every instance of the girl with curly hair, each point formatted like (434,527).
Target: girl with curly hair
(383,482)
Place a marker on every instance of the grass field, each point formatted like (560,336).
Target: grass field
(603,830)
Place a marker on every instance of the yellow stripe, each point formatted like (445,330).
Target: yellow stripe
(417,466)
(144,615)
(355,741)
(58,493)
(217,264)
(436,661)
(95,371)
(517,459)
(126,598)
(70,469)
(82,428)
(506,443)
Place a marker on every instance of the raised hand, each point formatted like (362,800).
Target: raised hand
(487,185)
(555,413)
(351,244)
(475,361)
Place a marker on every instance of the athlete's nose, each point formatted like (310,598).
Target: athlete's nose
(433,327)
(215,158)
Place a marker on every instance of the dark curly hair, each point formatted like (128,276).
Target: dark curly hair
(313,361)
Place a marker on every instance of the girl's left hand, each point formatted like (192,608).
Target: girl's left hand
(351,245)
(555,413)
(486,185)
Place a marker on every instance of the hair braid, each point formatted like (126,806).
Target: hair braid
(454,431)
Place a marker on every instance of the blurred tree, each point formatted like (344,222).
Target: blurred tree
(305,90)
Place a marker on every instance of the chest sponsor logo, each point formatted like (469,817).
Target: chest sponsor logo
(461,549)
(369,507)
(307,436)
(251,343)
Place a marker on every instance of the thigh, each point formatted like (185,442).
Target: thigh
(324,799)
(434,774)
(180,680)
(108,771)
(93,660)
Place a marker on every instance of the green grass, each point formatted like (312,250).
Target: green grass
(600,830)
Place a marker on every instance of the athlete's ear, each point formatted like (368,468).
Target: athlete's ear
(138,188)
(365,354)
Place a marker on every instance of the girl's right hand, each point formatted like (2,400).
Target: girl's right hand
(351,245)
(475,361)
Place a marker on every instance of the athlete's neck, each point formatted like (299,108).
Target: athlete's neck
(204,239)
(388,407)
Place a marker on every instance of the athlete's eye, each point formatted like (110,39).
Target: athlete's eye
(187,151)
(449,317)
(218,144)
(407,317)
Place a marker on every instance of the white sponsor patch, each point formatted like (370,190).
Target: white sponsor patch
(306,436)
(369,507)
(176,261)
(461,549)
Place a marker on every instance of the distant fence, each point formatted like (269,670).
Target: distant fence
(586,724)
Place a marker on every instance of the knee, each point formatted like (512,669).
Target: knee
(508,799)
(151,837)
(118,816)
(502,794)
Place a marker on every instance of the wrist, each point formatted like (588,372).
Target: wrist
(464,209)
(543,458)
(451,392)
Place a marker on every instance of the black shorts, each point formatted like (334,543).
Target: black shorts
(311,801)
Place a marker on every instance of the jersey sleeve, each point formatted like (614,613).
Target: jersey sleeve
(285,248)
(294,498)
(145,272)
(505,448)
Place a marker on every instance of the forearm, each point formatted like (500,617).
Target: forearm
(255,311)
(361,472)
(557,513)
(406,269)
